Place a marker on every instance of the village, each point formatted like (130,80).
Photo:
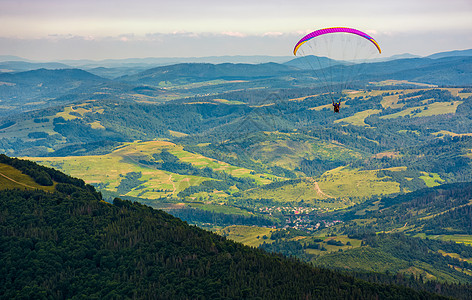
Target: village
(300,218)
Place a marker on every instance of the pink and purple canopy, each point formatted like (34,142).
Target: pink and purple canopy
(334,30)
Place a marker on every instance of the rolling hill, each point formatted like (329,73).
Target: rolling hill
(425,234)
(396,137)
(35,89)
(386,141)
(20,66)
(143,170)
(206,72)
(438,70)
(467,52)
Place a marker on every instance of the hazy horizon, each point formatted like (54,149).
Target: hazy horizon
(71,30)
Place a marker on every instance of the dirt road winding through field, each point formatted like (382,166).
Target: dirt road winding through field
(13,180)
(318,189)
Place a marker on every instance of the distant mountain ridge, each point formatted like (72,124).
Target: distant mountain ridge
(45,87)
(247,59)
(115,68)
(205,71)
(447,70)
(467,52)
(12,58)
(47,75)
(18,66)
(160,61)
(313,62)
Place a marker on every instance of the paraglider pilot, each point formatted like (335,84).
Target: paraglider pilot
(336,106)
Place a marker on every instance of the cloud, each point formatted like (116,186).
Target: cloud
(277,33)
(198,44)
(371,31)
(234,34)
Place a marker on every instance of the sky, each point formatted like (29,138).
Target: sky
(51,30)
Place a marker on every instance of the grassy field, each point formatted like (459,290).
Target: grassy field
(11,178)
(288,150)
(331,190)
(353,243)
(136,150)
(431,179)
(23,128)
(343,181)
(436,108)
(232,102)
(108,171)
(455,255)
(391,101)
(358,118)
(305,190)
(248,235)
(401,82)
(458,238)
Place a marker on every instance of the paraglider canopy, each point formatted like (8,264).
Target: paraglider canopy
(334,30)
(337,57)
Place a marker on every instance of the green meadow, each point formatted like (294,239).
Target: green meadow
(358,118)
(334,189)
(108,171)
(287,150)
(11,178)
(248,235)
(437,108)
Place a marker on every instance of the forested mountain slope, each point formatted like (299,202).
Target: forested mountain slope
(70,244)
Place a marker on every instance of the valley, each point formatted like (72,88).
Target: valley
(255,154)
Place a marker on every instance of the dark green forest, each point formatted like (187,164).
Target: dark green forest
(446,205)
(69,244)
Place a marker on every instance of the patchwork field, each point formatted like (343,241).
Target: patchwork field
(334,189)
(109,171)
(437,108)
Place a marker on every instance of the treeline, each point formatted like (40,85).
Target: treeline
(199,216)
(423,254)
(445,156)
(408,179)
(47,176)
(442,209)
(169,162)
(415,249)
(455,221)
(316,166)
(129,182)
(207,186)
(237,151)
